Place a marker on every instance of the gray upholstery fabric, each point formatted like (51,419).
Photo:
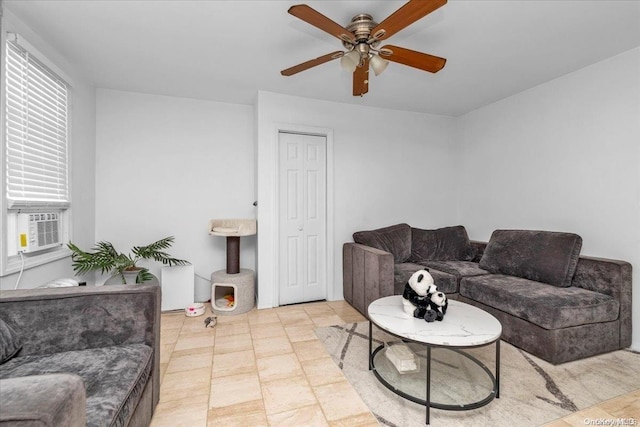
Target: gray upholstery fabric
(94,319)
(446,244)
(43,400)
(114,377)
(395,239)
(542,256)
(445,282)
(367,275)
(545,305)
(555,345)
(459,269)
(610,277)
(10,342)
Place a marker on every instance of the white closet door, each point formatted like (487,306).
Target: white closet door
(302,218)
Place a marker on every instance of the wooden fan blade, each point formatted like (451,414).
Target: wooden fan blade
(405,16)
(311,63)
(422,61)
(361,79)
(315,18)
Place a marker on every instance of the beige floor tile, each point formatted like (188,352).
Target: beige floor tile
(279,367)
(301,333)
(287,394)
(626,406)
(228,329)
(202,339)
(361,420)
(189,412)
(318,310)
(322,321)
(234,389)
(309,350)
(180,363)
(271,346)
(169,336)
(171,321)
(322,371)
(165,352)
(194,324)
(232,343)
(225,412)
(269,330)
(308,416)
(339,400)
(181,385)
(253,419)
(261,317)
(239,362)
(297,318)
(352,318)
(236,318)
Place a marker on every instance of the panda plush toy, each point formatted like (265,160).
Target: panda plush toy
(436,307)
(415,298)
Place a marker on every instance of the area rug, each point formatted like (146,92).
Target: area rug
(532,391)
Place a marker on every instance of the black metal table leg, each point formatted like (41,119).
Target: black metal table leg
(370,349)
(428,400)
(498,368)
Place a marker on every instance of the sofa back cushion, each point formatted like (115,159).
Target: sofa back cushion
(395,239)
(544,256)
(10,342)
(442,244)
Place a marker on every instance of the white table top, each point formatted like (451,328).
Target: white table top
(463,325)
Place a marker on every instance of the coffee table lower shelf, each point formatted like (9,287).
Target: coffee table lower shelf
(448,378)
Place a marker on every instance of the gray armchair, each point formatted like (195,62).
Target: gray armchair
(80,356)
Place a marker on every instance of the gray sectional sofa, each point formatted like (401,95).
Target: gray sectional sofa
(80,356)
(551,301)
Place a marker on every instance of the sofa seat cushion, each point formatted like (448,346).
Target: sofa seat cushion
(542,256)
(547,306)
(395,239)
(445,282)
(114,377)
(459,269)
(446,244)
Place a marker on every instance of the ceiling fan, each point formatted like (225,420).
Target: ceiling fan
(362,37)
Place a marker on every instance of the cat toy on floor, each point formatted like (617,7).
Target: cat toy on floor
(210,322)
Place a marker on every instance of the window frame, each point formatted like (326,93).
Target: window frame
(11,261)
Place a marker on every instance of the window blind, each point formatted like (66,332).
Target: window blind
(36,119)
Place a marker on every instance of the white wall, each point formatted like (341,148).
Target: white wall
(388,167)
(82,159)
(165,166)
(562,156)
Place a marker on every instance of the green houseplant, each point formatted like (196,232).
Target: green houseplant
(105,258)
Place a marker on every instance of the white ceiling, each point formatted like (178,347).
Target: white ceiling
(228,50)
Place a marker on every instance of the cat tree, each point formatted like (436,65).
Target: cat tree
(233,289)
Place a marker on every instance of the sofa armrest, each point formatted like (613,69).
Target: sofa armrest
(43,400)
(610,277)
(367,274)
(52,320)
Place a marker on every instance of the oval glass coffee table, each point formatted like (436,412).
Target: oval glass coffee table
(459,380)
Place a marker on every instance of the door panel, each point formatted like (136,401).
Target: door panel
(302,218)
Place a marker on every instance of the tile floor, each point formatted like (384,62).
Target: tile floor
(262,368)
(267,368)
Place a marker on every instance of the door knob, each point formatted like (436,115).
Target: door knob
(300,228)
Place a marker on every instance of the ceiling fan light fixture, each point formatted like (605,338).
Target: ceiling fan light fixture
(350,61)
(378,64)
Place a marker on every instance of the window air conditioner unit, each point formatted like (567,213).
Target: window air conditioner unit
(38,231)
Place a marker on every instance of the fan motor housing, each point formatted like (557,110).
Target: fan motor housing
(360,26)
